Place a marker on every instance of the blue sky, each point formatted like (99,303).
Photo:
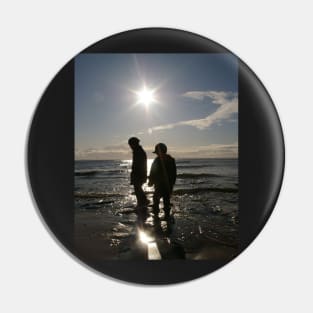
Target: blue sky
(195,112)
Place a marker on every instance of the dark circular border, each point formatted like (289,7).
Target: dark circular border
(50,154)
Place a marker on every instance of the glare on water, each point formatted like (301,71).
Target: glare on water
(128,164)
(145,239)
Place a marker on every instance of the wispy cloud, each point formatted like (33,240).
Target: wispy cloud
(227,105)
(209,151)
(117,151)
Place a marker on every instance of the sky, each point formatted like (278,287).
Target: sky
(193,108)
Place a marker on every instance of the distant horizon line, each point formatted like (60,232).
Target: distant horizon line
(177,158)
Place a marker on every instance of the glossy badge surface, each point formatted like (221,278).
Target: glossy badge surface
(155,156)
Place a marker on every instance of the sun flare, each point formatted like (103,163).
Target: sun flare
(146,96)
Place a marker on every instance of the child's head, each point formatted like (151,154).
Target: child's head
(160,148)
(133,142)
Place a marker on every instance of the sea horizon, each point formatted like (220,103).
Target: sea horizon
(176,158)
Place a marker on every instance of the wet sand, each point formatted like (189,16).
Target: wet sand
(197,230)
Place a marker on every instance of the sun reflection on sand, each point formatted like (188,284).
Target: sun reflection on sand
(152,247)
(144,238)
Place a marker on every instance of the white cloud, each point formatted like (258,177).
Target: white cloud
(227,103)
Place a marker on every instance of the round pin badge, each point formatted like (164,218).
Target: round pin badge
(155,156)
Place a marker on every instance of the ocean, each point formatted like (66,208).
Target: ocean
(204,204)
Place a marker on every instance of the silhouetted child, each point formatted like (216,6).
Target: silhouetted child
(163,177)
(138,174)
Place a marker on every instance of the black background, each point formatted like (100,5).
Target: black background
(51,154)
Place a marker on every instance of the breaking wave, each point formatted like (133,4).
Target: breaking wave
(188,175)
(96,172)
(204,190)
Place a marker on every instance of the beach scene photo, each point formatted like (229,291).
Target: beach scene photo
(156,157)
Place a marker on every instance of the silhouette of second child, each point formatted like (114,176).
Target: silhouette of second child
(163,177)
(138,174)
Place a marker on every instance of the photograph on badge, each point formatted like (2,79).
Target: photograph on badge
(156,156)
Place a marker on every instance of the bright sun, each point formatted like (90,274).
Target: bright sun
(146,96)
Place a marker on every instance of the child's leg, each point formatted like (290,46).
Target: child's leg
(167,204)
(156,202)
